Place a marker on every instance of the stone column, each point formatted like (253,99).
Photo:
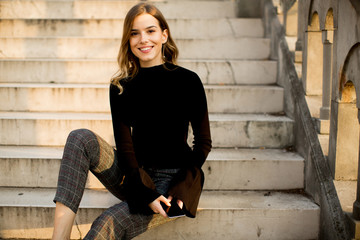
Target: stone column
(312,69)
(289,9)
(327,39)
(301,26)
(356,206)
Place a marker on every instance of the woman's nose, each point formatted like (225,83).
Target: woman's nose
(144,38)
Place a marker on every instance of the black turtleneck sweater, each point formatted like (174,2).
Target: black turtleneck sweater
(151,120)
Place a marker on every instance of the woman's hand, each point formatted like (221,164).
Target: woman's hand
(179,202)
(156,206)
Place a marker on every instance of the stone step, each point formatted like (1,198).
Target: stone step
(220,48)
(109,9)
(180,28)
(225,169)
(28,213)
(227,130)
(100,71)
(74,98)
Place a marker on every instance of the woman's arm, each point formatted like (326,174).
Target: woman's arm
(140,190)
(199,120)
(122,131)
(187,186)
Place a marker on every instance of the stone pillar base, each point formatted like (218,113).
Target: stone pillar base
(325,113)
(322,126)
(354,226)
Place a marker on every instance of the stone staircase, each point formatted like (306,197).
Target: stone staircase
(56,59)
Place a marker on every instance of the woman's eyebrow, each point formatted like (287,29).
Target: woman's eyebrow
(152,26)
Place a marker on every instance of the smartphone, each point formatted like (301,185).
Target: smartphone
(174,210)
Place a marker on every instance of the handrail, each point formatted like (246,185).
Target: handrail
(318,178)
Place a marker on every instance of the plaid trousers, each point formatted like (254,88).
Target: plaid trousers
(84,151)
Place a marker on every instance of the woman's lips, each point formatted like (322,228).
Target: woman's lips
(145,49)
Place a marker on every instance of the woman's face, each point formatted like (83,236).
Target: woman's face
(146,40)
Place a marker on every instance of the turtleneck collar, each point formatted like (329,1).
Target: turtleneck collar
(157,67)
(153,68)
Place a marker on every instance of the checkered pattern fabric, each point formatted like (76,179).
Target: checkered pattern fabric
(84,151)
(118,223)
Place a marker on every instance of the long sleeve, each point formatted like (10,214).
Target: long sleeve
(122,131)
(140,190)
(200,124)
(188,185)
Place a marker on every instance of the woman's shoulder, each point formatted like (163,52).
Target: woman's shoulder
(182,71)
(115,88)
(123,82)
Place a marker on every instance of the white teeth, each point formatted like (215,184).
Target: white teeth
(145,49)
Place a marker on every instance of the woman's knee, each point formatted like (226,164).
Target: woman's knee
(84,137)
(82,133)
(82,142)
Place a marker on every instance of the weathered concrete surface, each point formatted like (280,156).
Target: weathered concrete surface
(318,179)
(228,130)
(180,28)
(250,215)
(225,169)
(40,9)
(100,47)
(346,191)
(75,98)
(345,164)
(340,19)
(324,143)
(275,215)
(221,72)
(312,74)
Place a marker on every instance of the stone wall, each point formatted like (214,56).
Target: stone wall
(318,177)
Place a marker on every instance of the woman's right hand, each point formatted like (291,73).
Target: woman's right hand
(156,206)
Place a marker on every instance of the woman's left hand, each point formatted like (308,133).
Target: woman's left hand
(179,202)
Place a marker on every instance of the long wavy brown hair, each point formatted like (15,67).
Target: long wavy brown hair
(128,63)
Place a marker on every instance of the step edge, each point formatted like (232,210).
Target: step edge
(109,199)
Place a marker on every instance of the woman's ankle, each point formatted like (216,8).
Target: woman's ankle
(63,222)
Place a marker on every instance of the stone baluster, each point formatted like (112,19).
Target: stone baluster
(327,39)
(356,206)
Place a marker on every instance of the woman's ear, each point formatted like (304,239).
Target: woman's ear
(165,36)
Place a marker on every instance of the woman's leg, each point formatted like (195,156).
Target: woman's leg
(83,151)
(63,222)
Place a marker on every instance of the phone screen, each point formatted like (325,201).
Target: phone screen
(174,210)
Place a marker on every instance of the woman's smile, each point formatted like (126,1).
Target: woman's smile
(146,49)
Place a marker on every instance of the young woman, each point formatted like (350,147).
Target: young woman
(153,101)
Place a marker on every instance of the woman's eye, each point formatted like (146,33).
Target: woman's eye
(133,33)
(151,31)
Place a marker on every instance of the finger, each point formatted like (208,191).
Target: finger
(162,212)
(180,203)
(164,200)
(170,198)
(156,206)
(155,210)
(159,208)
(153,207)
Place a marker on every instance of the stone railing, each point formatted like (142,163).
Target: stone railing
(318,179)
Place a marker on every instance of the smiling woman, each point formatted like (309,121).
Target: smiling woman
(153,102)
(135,22)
